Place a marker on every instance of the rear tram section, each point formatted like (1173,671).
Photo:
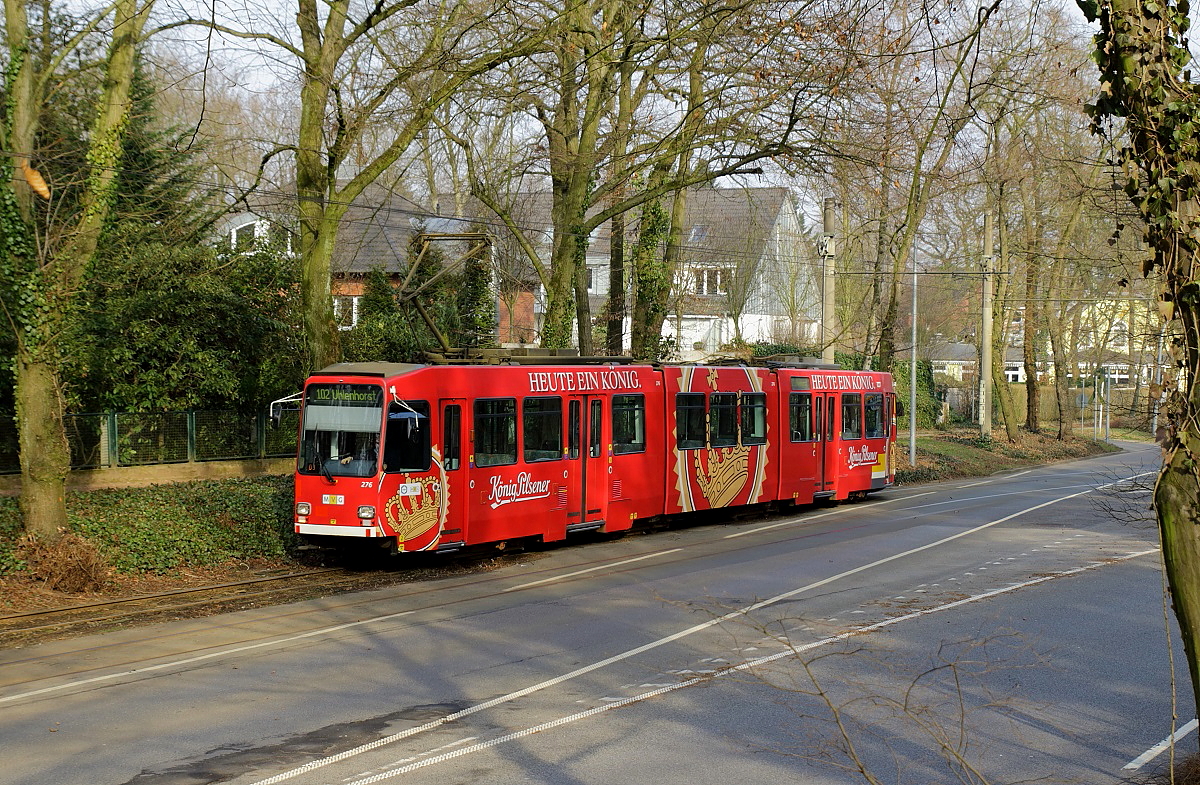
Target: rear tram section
(438,457)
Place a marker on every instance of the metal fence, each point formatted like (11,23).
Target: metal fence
(100,441)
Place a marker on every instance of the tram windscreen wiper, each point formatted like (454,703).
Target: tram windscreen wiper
(328,474)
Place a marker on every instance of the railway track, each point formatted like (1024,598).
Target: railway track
(20,629)
(102,615)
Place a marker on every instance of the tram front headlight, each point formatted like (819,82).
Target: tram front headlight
(303,508)
(366,512)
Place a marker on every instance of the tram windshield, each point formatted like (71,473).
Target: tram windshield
(340,436)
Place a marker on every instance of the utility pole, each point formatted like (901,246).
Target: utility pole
(985,346)
(912,376)
(827,250)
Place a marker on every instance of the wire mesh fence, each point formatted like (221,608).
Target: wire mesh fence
(99,441)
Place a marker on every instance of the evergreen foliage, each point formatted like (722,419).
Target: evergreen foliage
(186,326)
(476,302)
(167,321)
(164,527)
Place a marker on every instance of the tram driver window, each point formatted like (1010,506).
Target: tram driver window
(629,423)
(495,432)
(800,417)
(851,416)
(689,420)
(406,446)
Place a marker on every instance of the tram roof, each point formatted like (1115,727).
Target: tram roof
(380,369)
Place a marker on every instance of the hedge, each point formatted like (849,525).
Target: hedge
(163,527)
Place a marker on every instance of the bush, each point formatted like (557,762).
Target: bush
(160,528)
(71,563)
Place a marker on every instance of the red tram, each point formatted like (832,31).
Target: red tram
(437,457)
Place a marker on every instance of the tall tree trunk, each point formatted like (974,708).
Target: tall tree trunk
(615,310)
(1001,318)
(615,329)
(1062,389)
(43,311)
(652,281)
(45,456)
(1033,402)
(1141,50)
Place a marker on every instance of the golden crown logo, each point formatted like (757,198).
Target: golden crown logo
(412,516)
(725,474)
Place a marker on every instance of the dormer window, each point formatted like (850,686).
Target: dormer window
(698,234)
(711,281)
(345,311)
(243,237)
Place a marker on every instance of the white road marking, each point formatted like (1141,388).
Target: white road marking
(963,499)
(996,479)
(792,651)
(838,511)
(200,658)
(590,569)
(1161,747)
(741,612)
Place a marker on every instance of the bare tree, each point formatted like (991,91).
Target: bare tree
(370,82)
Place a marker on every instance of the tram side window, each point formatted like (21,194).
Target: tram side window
(596,424)
(629,423)
(873,419)
(800,417)
(495,431)
(452,438)
(541,428)
(689,420)
(851,415)
(406,446)
(722,419)
(754,418)
(574,429)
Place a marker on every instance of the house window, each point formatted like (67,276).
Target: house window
(591,279)
(282,239)
(698,234)
(1118,336)
(243,237)
(345,311)
(712,281)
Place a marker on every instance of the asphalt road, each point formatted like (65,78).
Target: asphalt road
(1013,627)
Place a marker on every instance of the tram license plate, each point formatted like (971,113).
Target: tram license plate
(331,499)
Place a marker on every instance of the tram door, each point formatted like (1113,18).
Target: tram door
(588,453)
(824,407)
(451,441)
